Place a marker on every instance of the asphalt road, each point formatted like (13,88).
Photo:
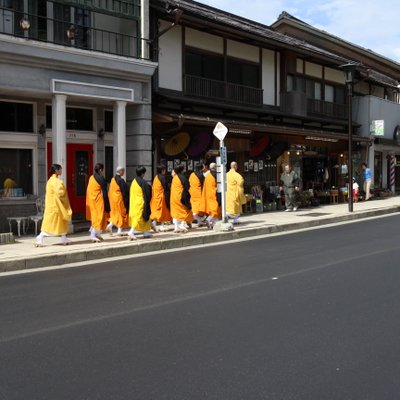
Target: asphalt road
(312,315)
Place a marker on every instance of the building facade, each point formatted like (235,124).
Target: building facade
(282,99)
(75,89)
(376,108)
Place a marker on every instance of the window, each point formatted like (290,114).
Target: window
(109,172)
(71,25)
(290,83)
(242,73)
(16,176)
(313,89)
(108,121)
(334,94)
(78,119)
(329,93)
(16,117)
(295,83)
(203,65)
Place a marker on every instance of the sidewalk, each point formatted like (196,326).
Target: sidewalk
(23,255)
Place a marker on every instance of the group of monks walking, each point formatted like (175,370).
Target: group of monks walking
(142,208)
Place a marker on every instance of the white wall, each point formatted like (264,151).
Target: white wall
(313,70)
(170,58)
(243,51)
(268,76)
(334,75)
(204,41)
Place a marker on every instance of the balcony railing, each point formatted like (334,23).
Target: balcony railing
(219,90)
(35,27)
(119,7)
(326,108)
(296,103)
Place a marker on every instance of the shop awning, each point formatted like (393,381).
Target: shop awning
(248,128)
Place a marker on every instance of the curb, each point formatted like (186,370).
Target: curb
(142,247)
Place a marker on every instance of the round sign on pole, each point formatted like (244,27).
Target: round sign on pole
(220,131)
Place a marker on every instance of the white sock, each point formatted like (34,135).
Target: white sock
(40,237)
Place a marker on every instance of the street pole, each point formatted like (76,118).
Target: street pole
(220,132)
(350,150)
(349,73)
(223,180)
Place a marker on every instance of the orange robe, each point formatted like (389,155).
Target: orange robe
(118,213)
(179,211)
(158,202)
(195,193)
(209,201)
(95,207)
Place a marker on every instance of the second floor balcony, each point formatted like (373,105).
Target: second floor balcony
(296,103)
(78,28)
(219,90)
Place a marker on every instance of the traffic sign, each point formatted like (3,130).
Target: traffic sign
(220,131)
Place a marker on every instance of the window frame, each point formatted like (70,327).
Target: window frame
(34,118)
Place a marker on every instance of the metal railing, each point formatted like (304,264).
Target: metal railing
(220,90)
(296,103)
(35,27)
(122,7)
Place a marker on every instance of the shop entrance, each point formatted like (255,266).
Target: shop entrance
(79,169)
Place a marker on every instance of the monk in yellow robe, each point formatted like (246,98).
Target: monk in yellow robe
(57,211)
(210,199)
(160,196)
(139,206)
(196,182)
(97,203)
(235,197)
(118,195)
(181,209)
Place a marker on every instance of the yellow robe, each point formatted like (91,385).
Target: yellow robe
(158,203)
(178,210)
(118,214)
(57,210)
(136,208)
(195,193)
(235,197)
(209,203)
(95,210)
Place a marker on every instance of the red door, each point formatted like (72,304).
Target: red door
(79,169)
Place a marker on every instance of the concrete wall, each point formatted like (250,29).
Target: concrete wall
(369,108)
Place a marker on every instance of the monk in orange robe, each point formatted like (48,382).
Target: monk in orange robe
(118,195)
(97,204)
(181,211)
(196,182)
(160,197)
(210,199)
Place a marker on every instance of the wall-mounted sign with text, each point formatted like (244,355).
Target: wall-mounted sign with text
(378,127)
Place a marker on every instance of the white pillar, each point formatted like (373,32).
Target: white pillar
(119,134)
(59,153)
